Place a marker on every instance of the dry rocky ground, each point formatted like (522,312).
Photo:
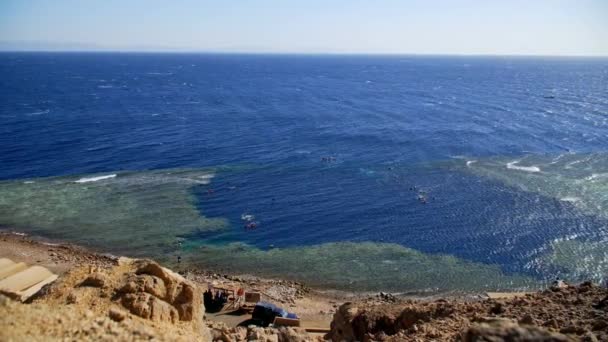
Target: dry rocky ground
(562,313)
(103,298)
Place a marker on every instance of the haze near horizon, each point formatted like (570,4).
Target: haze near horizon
(270,26)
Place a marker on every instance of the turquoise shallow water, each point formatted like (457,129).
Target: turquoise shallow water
(134,213)
(141,213)
(360,173)
(158,214)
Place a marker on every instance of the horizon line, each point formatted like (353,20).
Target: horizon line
(298,53)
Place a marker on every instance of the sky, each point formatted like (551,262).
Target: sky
(478,27)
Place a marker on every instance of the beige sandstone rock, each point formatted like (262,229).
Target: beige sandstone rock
(157,293)
(148,306)
(95,280)
(117,315)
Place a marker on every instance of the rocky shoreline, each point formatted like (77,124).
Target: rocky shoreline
(104,297)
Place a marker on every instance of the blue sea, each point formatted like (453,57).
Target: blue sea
(359,173)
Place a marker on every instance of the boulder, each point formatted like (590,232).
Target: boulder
(290,334)
(506,330)
(602,304)
(117,315)
(257,334)
(147,306)
(145,283)
(72,298)
(221,332)
(351,323)
(95,280)
(157,293)
(341,325)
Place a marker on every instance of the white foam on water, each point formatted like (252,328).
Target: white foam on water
(570,199)
(94,179)
(566,238)
(205,179)
(42,112)
(556,160)
(571,164)
(596,176)
(512,165)
(469,162)
(247,217)
(50,244)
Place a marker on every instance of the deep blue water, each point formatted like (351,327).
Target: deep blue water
(395,127)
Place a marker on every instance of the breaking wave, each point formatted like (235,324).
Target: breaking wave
(512,165)
(94,179)
(575,179)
